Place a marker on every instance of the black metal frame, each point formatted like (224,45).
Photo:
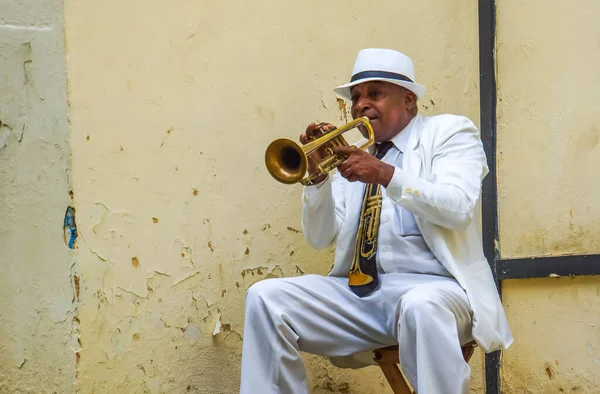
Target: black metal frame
(536,267)
(542,267)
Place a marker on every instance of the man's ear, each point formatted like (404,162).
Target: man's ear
(410,100)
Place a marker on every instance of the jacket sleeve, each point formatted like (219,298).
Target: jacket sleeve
(458,165)
(323,212)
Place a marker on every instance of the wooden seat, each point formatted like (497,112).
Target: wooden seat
(388,360)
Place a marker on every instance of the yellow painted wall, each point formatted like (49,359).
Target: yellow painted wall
(548,127)
(37,309)
(548,158)
(556,322)
(171,107)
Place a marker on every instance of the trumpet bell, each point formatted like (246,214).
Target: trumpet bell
(359,279)
(286,161)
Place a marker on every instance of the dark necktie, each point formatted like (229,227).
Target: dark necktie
(382,148)
(363,278)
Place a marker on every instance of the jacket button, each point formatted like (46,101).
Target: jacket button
(416,192)
(408,190)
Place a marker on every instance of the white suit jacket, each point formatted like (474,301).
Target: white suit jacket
(440,183)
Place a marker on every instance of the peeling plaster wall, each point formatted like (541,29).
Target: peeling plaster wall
(548,159)
(548,127)
(172,107)
(36,291)
(556,322)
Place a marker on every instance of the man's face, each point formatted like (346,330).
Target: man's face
(389,107)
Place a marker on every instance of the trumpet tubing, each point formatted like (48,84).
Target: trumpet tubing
(287,161)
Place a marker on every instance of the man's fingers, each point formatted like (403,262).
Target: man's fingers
(310,130)
(347,173)
(314,131)
(345,150)
(344,166)
(326,126)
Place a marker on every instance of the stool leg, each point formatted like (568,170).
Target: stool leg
(395,379)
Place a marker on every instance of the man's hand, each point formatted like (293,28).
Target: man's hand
(314,131)
(361,166)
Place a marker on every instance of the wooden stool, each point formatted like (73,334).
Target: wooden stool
(387,358)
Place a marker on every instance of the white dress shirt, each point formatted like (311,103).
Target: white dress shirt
(400,245)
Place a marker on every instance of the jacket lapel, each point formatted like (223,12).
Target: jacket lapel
(411,159)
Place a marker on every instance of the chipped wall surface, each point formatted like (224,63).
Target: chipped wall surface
(556,322)
(171,109)
(36,295)
(548,127)
(548,157)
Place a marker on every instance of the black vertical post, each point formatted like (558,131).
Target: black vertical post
(487,91)
(487,95)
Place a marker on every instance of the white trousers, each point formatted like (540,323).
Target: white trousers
(428,316)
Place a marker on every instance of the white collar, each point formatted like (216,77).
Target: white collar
(400,140)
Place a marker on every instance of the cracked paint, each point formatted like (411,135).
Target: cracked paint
(533,305)
(27,62)
(40,285)
(553,212)
(97,321)
(343,110)
(70,228)
(173,321)
(5,132)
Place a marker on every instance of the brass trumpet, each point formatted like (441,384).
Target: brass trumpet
(287,161)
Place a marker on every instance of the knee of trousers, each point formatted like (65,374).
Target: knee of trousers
(420,306)
(261,293)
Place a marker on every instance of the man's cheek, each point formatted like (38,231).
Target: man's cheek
(363,131)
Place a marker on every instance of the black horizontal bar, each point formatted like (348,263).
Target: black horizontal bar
(541,267)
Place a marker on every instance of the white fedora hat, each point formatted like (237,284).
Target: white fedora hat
(374,64)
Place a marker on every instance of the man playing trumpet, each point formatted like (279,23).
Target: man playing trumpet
(409,266)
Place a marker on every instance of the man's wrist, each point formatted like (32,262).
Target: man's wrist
(317,181)
(385,174)
(320,179)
